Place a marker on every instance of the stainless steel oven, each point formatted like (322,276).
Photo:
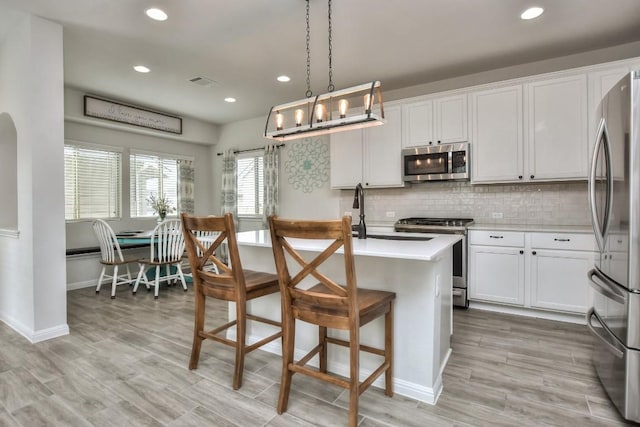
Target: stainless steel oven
(446,226)
(442,162)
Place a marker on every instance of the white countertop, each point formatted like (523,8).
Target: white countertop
(405,249)
(533,228)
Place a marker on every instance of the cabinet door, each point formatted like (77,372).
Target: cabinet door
(557,128)
(417,118)
(346,159)
(383,150)
(496,135)
(559,280)
(451,119)
(496,274)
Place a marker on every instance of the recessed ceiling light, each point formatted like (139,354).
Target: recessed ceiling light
(283,78)
(141,69)
(532,12)
(156,14)
(230,99)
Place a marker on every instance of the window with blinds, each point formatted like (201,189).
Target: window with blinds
(92,180)
(250,179)
(152,175)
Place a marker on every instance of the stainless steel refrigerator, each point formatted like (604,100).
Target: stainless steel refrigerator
(614,196)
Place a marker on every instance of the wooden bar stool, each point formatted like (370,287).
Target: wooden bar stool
(225,282)
(328,305)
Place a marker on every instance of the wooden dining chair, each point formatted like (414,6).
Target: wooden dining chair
(111,256)
(228,281)
(165,256)
(328,305)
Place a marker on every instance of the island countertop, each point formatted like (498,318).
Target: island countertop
(429,250)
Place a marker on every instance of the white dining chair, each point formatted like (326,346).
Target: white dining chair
(111,256)
(166,250)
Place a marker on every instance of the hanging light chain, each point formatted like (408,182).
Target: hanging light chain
(331,87)
(308,93)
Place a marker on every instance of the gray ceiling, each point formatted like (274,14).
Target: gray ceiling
(244,44)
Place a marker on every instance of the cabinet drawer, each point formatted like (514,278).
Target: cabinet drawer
(567,241)
(496,238)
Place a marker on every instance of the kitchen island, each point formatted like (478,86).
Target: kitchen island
(419,272)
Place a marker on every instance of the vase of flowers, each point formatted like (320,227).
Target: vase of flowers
(160,206)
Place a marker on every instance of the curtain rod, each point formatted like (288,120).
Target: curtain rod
(251,149)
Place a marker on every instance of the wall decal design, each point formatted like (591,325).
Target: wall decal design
(308,164)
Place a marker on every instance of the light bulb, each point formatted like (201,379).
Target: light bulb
(319,113)
(343,105)
(299,115)
(368,103)
(279,120)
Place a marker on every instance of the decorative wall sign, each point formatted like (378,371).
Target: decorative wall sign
(118,112)
(308,164)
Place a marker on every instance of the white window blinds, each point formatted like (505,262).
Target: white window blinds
(250,181)
(91,183)
(152,175)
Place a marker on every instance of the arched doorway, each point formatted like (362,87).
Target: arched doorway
(8,173)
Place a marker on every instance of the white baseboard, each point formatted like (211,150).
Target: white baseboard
(84,284)
(402,387)
(35,336)
(529,312)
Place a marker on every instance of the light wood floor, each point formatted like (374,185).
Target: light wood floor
(125,363)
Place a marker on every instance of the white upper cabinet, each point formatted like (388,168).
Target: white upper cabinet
(536,131)
(370,156)
(496,135)
(346,159)
(435,121)
(558,144)
(382,151)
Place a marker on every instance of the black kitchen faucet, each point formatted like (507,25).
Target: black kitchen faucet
(358,203)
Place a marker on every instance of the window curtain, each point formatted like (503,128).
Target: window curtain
(229,195)
(186,186)
(270,206)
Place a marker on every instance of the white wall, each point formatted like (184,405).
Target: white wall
(193,130)
(319,203)
(32,268)
(625,51)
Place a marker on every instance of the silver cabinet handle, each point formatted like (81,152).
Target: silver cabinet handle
(497,237)
(562,240)
(601,335)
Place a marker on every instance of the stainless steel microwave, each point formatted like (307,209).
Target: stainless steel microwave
(440,162)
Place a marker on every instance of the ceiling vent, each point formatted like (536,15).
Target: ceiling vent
(203,81)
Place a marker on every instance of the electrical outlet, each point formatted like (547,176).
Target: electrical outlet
(496,215)
(391,214)
(348,213)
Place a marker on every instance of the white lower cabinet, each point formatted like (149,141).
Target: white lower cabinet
(497,274)
(535,270)
(559,280)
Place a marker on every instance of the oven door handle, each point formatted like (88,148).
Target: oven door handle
(609,338)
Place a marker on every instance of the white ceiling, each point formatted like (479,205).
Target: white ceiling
(244,44)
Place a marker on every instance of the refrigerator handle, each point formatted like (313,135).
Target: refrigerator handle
(605,287)
(602,136)
(612,345)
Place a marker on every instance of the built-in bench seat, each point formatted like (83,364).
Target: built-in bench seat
(96,249)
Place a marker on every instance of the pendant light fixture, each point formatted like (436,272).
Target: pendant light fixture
(335,111)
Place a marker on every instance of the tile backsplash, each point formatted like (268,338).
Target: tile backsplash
(558,203)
